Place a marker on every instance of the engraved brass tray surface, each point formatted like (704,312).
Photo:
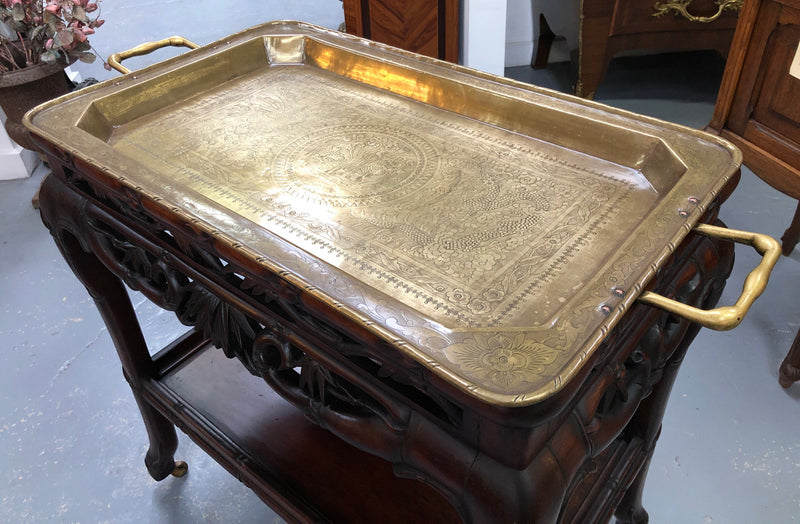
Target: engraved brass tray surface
(492,230)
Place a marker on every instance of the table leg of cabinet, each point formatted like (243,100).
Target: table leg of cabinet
(792,234)
(789,372)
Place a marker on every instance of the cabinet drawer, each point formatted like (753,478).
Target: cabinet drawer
(632,16)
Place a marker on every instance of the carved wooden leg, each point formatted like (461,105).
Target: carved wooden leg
(593,60)
(543,44)
(63,212)
(590,76)
(789,372)
(792,235)
(647,425)
(630,509)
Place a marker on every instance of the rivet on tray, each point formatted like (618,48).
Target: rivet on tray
(683,213)
(693,200)
(606,309)
(619,291)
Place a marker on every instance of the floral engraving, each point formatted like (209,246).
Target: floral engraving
(349,165)
(504,360)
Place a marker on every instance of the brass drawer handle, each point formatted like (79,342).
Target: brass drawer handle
(681,7)
(727,317)
(146,48)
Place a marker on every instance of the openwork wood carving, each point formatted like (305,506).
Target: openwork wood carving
(261,323)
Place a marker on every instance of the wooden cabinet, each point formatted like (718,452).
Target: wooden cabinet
(611,26)
(758,109)
(759,101)
(428,27)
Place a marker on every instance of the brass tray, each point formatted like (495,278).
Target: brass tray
(491,230)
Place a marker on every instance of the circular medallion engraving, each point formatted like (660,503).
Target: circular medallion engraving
(354,165)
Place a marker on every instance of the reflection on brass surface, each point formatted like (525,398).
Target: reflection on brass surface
(399,190)
(727,317)
(475,223)
(681,7)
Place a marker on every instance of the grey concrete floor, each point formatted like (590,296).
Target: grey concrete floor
(71,440)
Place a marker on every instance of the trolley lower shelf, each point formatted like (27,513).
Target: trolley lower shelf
(304,472)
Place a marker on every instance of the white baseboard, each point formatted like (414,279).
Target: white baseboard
(74,76)
(521,53)
(17,163)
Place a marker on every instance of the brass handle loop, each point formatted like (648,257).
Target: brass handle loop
(727,317)
(146,48)
(681,7)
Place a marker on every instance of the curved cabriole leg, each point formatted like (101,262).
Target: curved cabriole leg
(593,60)
(792,235)
(160,457)
(63,212)
(647,424)
(630,509)
(789,372)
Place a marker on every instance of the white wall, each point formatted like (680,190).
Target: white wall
(483,33)
(520,31)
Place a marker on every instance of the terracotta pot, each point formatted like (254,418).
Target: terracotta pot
(24,89)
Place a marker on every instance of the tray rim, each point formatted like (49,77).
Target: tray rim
(573,364)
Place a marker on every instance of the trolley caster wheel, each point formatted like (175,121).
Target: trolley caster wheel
(180,469)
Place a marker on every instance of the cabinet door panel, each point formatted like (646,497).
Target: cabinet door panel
(406,24)
(428,27)
(776,105)
(773,143)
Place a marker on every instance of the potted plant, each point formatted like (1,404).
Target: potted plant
(38,39)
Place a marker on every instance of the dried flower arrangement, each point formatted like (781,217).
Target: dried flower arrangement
(46,31)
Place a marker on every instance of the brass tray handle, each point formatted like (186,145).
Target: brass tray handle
(147,48)
(727,317)
(681,7)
